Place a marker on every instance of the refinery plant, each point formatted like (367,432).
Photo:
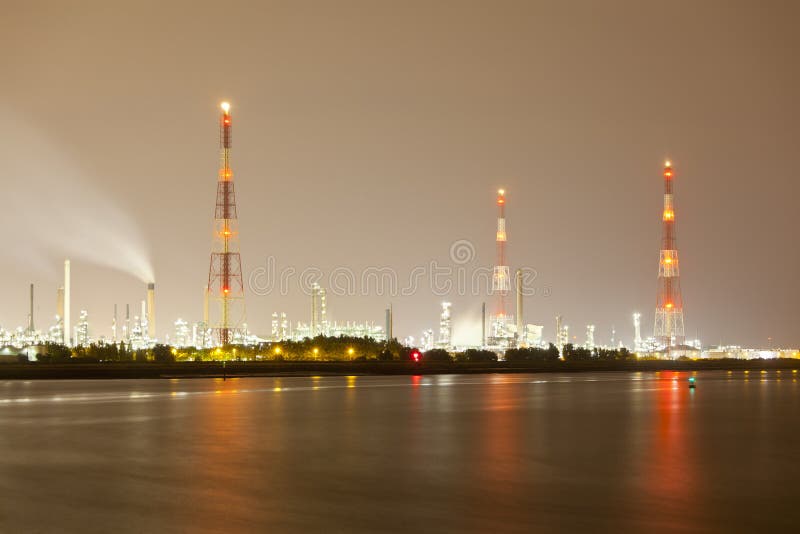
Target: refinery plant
(224,323)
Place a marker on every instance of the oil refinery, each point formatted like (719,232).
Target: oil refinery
(224,323)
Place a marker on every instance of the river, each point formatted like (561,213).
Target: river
(599,452)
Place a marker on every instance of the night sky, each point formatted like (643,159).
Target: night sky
(376,133)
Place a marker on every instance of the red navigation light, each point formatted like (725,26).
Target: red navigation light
(416,356)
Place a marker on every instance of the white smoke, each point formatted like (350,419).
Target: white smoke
(467,327)
(51,211)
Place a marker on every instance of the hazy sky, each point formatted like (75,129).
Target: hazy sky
(376,133)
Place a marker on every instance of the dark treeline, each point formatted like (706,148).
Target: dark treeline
(320,348)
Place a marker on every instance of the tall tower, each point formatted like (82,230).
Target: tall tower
(445,327)
(151,311)
(225,272)
(590,337)
(501,284)
(520,325)
(637,332)
(319,311)
(31,328)
(500,320)
(668,326)
(67,332)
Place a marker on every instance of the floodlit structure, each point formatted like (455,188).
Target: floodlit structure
(590,337)
(501,324)
(225,272)
(280,327)
(426,342)
(562,333)
(533,335)
(637,332)
(668,327)
(445,327)
(319,311)
(183,337)
(82,330)
(114,325)
(126,329)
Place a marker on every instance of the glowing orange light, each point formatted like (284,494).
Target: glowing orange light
(226,290)
(669,215)
(669,305)
(667,260)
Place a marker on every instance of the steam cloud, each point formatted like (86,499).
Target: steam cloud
(51,212)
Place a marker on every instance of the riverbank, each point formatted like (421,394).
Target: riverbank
(112,370)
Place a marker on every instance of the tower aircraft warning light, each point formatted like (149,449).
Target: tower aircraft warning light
(668,326)
(225,282)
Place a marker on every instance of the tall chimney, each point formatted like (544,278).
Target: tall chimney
(114,325)
(389,326)
(520,323)
(67,330)
(483,324)
(126,335)
(30,316)
(151,310)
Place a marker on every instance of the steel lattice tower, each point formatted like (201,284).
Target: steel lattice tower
(225,272)
(501,283)
(668,326)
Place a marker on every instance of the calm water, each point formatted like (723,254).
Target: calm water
(608,452)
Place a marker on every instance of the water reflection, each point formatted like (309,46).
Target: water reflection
(610,452)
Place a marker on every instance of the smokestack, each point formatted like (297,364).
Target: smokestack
(126,335)
(520,327)
(67,331)
(151,310)
(114,325)
(30,316)
(389,333)
(483,324)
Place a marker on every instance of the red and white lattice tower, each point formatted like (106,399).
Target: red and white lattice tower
(501,281)
(225,282)
(668,326)
(500,333)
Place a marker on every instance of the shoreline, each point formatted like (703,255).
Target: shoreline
(240,369)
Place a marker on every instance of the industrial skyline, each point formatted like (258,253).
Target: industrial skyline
(392,169)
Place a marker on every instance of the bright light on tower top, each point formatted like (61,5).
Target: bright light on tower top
(668,163)
(501,192)
(226,107)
